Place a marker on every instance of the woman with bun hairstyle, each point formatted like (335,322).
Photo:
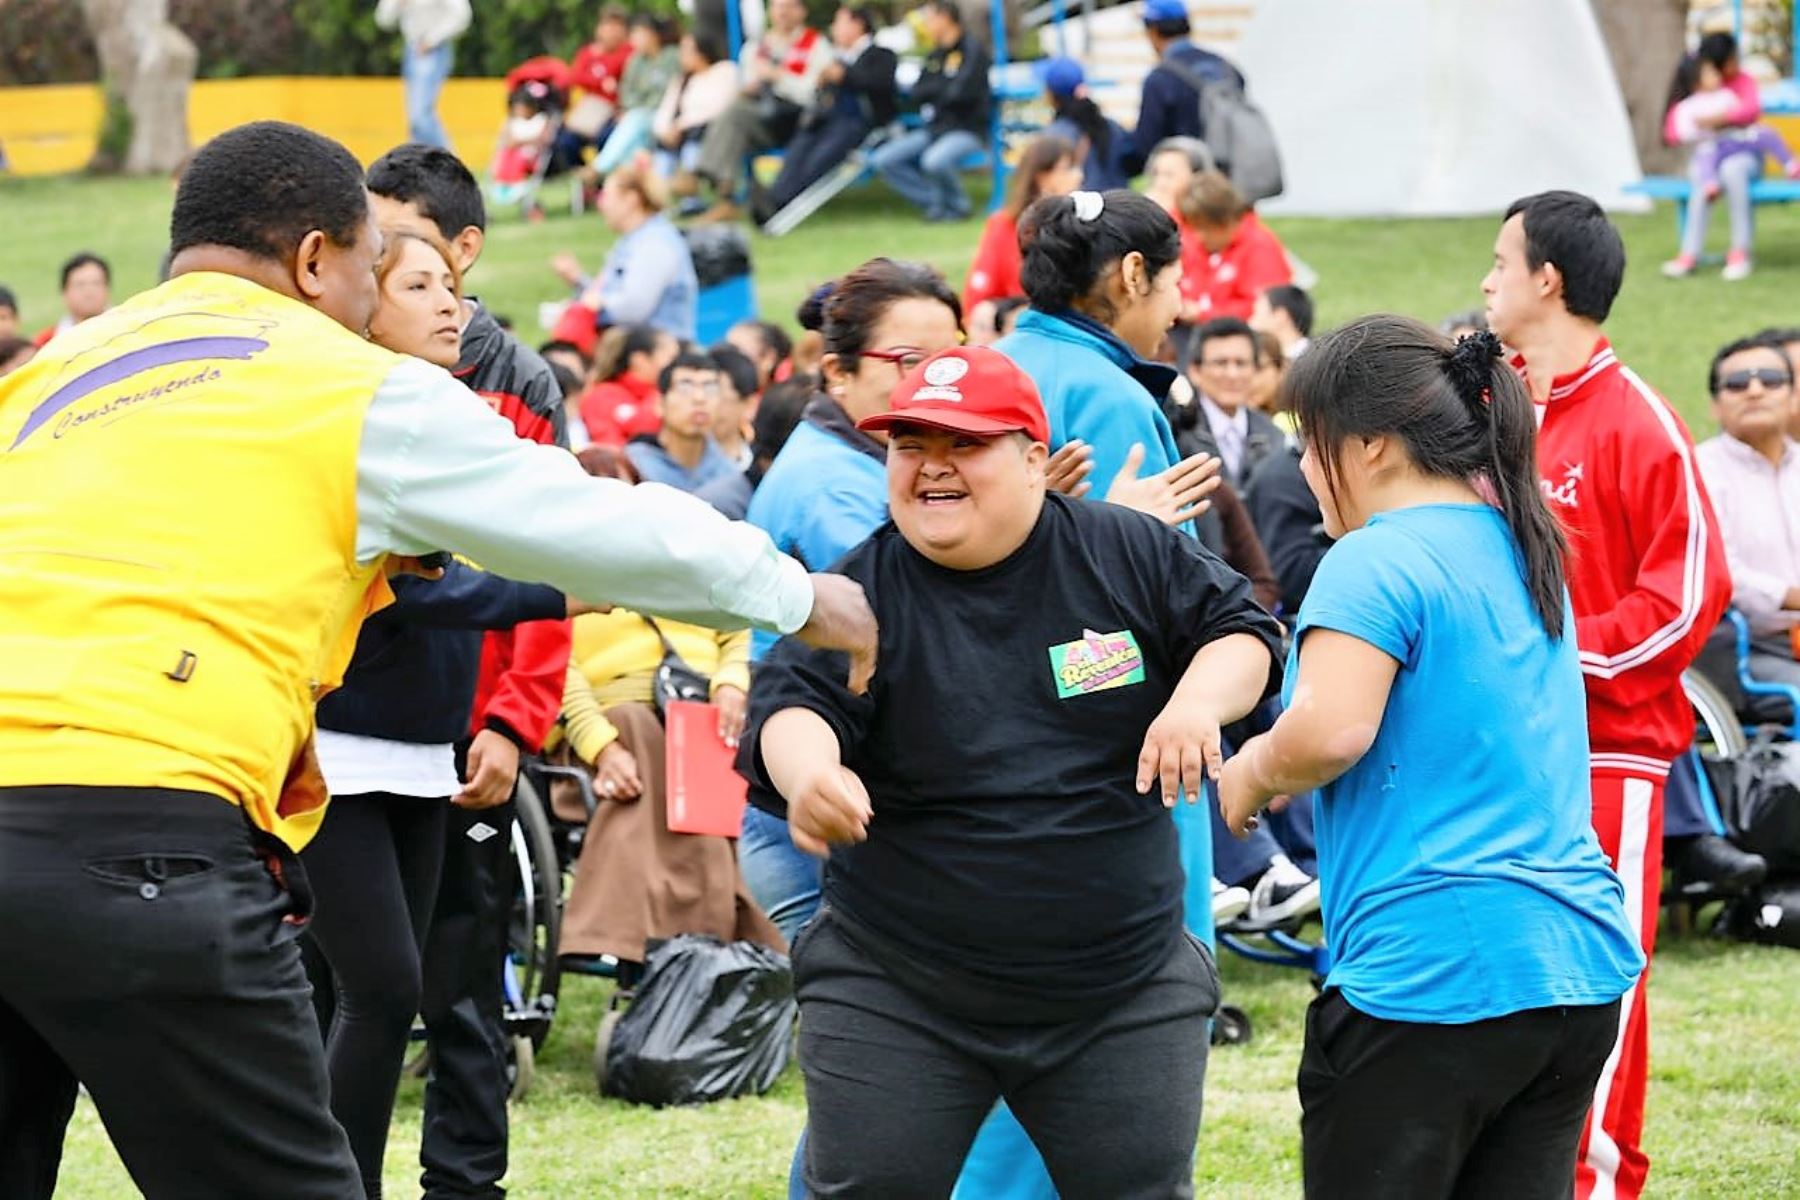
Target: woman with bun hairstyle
(1434,696)
(1102,271)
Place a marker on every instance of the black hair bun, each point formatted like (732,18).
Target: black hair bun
(811,313)
(1471,366)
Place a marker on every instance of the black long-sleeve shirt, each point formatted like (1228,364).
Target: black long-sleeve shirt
(956,88)
(1287,519)
(1012,872)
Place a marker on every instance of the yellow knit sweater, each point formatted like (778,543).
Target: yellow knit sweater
(613,660)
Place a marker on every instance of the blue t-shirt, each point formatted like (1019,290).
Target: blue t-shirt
(1461,876)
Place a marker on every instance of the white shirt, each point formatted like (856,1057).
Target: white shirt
(355,764)
(1230,430)
(1758,506)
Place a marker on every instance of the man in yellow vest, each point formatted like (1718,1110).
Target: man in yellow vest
(198,493)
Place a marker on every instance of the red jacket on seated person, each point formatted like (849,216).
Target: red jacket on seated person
(620,409)
(1233,257)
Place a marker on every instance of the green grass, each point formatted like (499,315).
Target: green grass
(1666,330)
(1725,1102)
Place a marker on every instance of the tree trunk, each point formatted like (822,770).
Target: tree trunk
(148,67)
(1646,39)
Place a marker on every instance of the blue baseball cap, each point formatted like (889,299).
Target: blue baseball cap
(1060,75)
(1157,11)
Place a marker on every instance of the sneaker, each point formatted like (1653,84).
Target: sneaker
(1737,266)
(1283,893)
(1228,903)
(1680,267)
(1711,865)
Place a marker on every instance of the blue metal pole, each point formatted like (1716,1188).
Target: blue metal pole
(734,28)
(996,138)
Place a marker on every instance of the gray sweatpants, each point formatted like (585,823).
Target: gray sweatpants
(896,1089)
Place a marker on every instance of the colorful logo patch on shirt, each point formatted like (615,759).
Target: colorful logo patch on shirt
(1097,662)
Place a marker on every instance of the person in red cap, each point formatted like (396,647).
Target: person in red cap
(1002,912)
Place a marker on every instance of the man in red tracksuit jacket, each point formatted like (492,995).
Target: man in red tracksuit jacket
(1647,576)
(517,699)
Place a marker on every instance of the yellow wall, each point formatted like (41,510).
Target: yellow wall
(47,130)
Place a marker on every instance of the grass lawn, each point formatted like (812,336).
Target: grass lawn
(1725,1106)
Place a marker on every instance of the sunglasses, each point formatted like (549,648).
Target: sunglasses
(1769,377)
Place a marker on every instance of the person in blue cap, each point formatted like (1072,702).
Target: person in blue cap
(1101,142)
(1171,103)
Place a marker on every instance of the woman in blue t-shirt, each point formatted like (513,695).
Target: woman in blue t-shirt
(1480,940)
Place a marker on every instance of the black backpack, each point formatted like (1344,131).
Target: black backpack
(1236,131)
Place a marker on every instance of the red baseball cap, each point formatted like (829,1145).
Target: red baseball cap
(966,389)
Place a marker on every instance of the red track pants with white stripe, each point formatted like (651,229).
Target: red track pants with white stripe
(1628,817)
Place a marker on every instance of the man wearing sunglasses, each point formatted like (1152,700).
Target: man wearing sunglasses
(682,453)
(1647,579)
(1752,471)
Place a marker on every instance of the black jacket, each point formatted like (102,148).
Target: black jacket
(512,378)
(866,93)
(1264,440)
(412,678)
(1287,518)
(956,89)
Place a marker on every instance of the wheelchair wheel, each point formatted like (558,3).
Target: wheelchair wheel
(536,924)
(1718,733)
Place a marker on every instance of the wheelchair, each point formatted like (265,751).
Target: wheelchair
(546,846)
(1732,710)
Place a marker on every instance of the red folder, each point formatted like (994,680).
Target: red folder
(705,794)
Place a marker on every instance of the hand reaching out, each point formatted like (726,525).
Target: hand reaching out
(1172,496)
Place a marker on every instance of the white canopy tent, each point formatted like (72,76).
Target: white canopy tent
(1437,107)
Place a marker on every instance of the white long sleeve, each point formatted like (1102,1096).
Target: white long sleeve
(438,470)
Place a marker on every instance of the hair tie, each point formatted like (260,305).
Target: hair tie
(1088,205)
(1470,366)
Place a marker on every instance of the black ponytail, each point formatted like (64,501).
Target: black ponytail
(1502,404)
(1086,116)
(1065,254)
(1460,412)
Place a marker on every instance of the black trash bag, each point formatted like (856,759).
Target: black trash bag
(720,252)
(1769,915)
(1761,805)
(710,1021)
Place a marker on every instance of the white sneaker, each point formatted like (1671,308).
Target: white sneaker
(1737,267)
(1228,903)
(1283,893)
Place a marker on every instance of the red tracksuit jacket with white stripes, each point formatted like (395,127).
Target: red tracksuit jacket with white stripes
(1647,570)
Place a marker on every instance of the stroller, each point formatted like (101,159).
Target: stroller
(537,97)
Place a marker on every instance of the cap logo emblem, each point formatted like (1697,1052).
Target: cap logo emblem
(946,371)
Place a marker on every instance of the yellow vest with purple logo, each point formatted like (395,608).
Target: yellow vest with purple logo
(178,575)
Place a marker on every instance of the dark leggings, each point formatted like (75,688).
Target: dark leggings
(374,869)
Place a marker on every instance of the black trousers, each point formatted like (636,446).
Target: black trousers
(144,951)
(1401,1110)
(374,870)
(896,1089)
(463,1150)
(811,152)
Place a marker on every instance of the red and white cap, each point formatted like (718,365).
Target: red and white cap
(967,389)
